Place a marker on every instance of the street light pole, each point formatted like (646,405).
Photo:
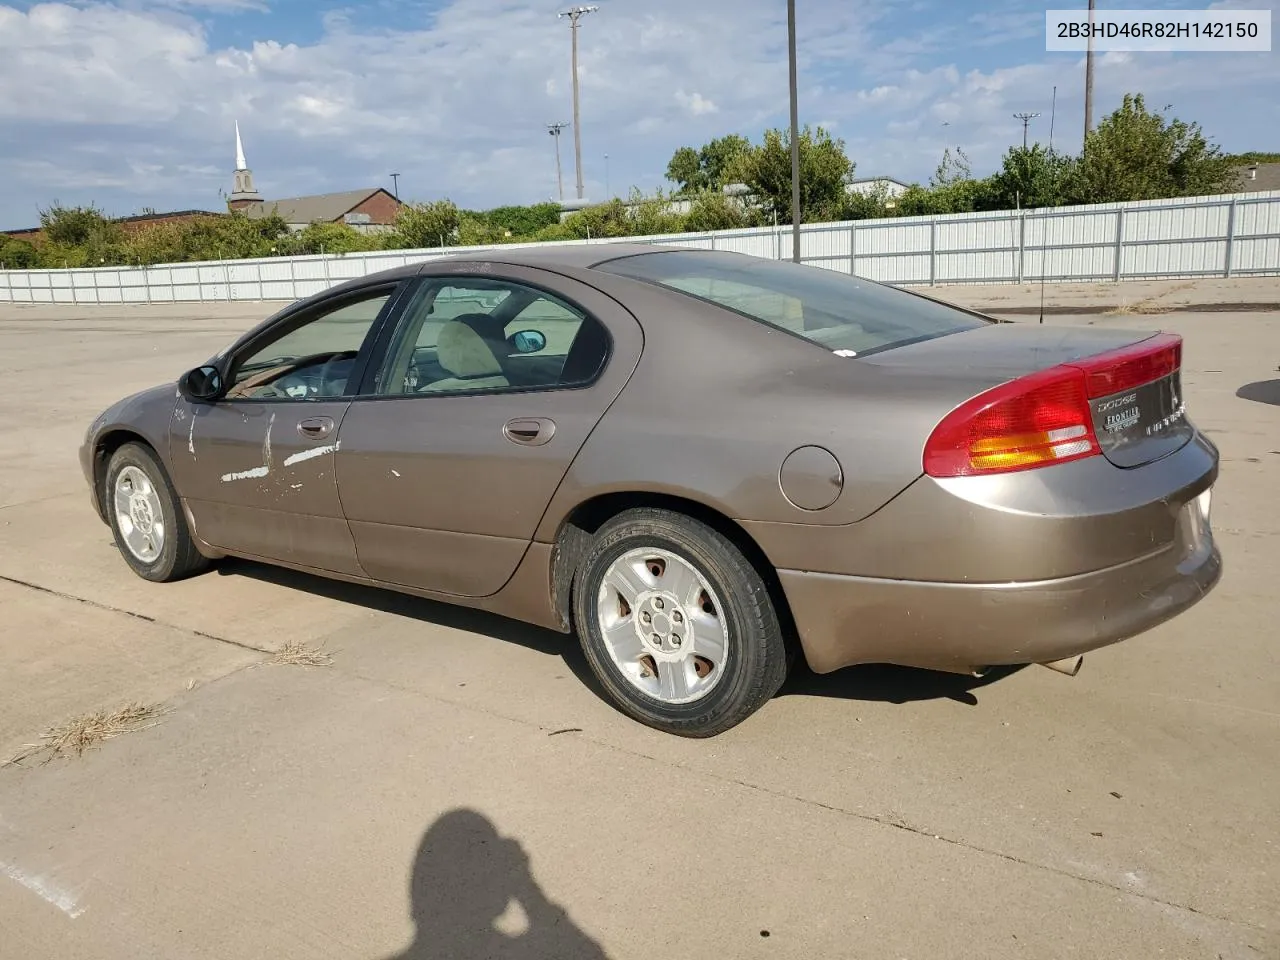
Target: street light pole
(795,133)
(1026,119)
(575,14)
(395,186)
(554,129)
(1088,78)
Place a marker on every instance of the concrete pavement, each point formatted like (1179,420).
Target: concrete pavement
(360,810)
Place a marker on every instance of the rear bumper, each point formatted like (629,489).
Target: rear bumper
(961,627)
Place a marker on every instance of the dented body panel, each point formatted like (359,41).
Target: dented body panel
(254,484)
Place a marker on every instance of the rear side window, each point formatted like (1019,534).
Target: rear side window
(833,310)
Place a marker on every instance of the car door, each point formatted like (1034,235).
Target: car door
(488,389)
(256,466)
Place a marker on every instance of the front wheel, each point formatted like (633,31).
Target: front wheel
(677,625)
(146,518)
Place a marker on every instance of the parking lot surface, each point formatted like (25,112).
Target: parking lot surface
(452,786)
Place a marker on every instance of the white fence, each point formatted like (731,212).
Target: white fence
(1222,236)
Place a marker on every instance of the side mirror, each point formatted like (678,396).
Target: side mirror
(528,341)
(201,385)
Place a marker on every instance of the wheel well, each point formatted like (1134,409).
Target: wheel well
(589,516)
(107,445)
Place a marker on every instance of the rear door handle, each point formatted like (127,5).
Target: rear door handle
(529,431)
(315,428)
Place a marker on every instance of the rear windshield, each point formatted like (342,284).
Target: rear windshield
(842,313)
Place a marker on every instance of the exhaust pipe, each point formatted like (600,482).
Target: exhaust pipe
(1070,666)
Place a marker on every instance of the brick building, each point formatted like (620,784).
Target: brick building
(371,209)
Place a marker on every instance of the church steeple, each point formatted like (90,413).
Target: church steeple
(243,194)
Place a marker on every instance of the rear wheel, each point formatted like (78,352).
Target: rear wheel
(677,625)
(146,518)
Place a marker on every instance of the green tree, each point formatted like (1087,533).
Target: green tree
(710,167)
(477,230)
(326,238)
(825,172)
(715,211)
(685,170)
(919,201)
(953,189)
(78,226)
(227,236)
(18,254)
(555,232)
(598,221)
(158,243)
(649,216)
(868,205)
(1253,156)
(523,222)
(1034,177)
(1137,154)
(432,224)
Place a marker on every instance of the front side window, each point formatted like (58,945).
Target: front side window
(483,335)
(833,310)
(311,361)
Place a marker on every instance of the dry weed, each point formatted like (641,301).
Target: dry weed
(1144,308)
(296,653)
(88,731)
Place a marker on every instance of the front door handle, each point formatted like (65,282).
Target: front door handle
(315,428)
(529,431)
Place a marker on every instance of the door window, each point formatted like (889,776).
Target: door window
(490,335)
(312,361)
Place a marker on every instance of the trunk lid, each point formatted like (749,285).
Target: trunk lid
(1144,423)
(1142,420)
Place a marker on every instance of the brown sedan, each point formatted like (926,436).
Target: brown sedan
(700,462)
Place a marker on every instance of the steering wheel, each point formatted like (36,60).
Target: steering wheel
(325,372)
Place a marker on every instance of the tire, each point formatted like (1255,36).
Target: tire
(177,556)
(641,552)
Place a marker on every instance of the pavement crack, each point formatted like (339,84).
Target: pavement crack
(28,503)
(129,613)
(893,821)
(898,823)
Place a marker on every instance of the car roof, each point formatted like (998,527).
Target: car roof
(579,255)
(550,256)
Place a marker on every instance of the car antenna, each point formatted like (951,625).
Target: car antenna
(1044,237)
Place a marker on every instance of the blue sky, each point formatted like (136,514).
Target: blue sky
(131,103)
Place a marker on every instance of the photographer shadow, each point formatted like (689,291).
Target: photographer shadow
(473,897)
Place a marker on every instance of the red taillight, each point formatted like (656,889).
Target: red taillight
(1130,367)
(1043,418)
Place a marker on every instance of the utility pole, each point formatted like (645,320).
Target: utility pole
(1026,119)
(554,129)
(1088,79)
(395,185)
(795,133)
(575,14)
(608,192)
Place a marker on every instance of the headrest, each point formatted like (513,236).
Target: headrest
(488,326)
(464,353)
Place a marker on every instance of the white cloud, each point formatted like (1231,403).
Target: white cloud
(131,103)
(696,104)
